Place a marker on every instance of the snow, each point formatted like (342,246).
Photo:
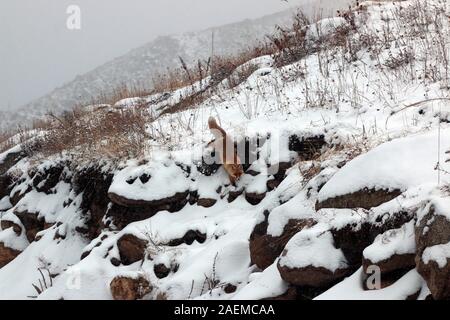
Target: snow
(17,285)
(340,218)
(440,204)
(439,253)
(392,242)
(45,205)
(166,180)
(207,186)
(265,284)
(9,238)
(351,288)
(5,204)
(313,247)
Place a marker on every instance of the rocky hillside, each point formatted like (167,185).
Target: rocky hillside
(344,138)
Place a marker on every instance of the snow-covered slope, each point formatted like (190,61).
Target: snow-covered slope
(345,193)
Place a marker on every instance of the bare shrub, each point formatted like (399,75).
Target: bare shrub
(42,284)
(402,58)
(290,44)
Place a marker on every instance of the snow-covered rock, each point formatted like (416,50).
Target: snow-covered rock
(384,172)
(432,241)
(310,259)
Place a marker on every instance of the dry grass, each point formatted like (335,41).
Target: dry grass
(224,67)
(188,102)
(290,44)
(235,69)
(181,77)
(118,134)
(123,91)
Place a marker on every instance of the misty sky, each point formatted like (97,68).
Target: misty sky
(38,53)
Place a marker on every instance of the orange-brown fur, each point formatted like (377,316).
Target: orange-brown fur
(223,143)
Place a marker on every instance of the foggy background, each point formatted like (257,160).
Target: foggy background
(38,53)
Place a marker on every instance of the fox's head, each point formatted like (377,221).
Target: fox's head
(235,172)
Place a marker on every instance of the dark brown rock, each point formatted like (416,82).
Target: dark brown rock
(437,278)
(32,224)
(272,184)
(413,296)
(386,279)
(7,255)
(209,164)
(437,229)
(307,148)
(188,238)
(264,248)
(254,198)
(18,195)
(93,183)
(115,262)
(161,271)
(44,181)
(253,173)
(124,288)
(170,203)
(366,198)
(394,263)
(85,254)
(206,202)
(352,239)
(311,276)
(131,249)
(433,229)
(229,288)
(278,176)
(6,224)
(5,183)
(125,211)
(193,197)
(234,194)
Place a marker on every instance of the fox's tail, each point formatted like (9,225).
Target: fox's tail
(212,123)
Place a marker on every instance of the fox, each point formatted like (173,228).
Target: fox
(225,147)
